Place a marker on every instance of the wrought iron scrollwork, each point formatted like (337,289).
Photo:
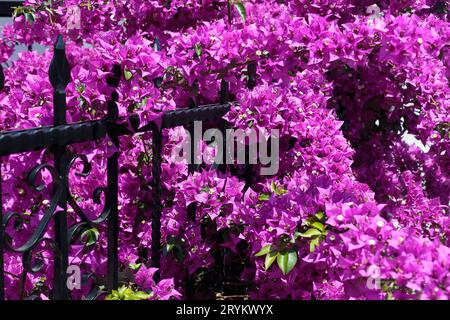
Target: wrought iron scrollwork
(75,231)
(48,214)
(33,261)
(96,196)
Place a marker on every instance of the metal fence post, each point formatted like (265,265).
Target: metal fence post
(251,83)
(113,184)
(157,206)
(59,73)
(224,97)
(2,236)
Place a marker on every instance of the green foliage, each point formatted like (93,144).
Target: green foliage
(264,196)
(270,258)
(127,74)
(90,236)
(316,230)
(198,49)
(265,250)
(135,266)
(286,259)
(277,190)
(241,9)
(30,11)
(176,247)
(127,293)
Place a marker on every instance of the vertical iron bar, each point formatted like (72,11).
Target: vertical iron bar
(192,166)
(251,83)
(230,15)
(157,207)
(2,236)
(113,184)
(224,91)
(59,73)
(251,72)
(156,188)
(224,97)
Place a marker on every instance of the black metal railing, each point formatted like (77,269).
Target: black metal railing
(56,139)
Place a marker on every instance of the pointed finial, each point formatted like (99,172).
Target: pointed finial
(59,71)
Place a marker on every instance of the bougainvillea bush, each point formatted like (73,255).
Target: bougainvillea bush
(360,94)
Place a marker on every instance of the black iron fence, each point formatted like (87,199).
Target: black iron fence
(61,134)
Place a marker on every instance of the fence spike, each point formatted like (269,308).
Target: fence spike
(59,71)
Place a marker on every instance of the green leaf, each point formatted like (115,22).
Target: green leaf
(313,244)
(205,188)
(198,49)
(241,9)
(127,293)
(121,291)
(135,266)
(30,17)
(140,295)
(167,248)
(319,226)
(90,236)
(279,191)
(263,251)
(270,258)
(320,215)
(113,296)
(264,196)
(127,74)
(50,11)
(311,233)
(286,261)
(81,88)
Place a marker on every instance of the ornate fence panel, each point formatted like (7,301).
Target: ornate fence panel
(56,139)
